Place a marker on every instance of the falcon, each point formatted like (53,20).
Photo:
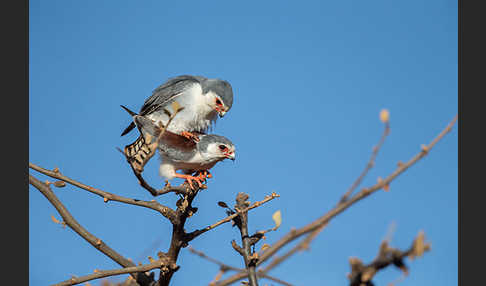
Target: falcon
(180,153)
(202,99)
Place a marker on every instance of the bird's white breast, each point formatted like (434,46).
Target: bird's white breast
(197,162)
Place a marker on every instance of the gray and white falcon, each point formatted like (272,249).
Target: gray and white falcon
(203,99)
(179,153)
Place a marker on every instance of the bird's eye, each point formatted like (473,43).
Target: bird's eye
(222,147)
(218,102)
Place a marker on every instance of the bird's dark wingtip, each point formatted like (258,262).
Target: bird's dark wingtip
(132,125)
(128,110)
(128,129)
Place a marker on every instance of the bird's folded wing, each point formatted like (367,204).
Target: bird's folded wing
(166,92)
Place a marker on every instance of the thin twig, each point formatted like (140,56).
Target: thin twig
(225,267)
(164,210)
(215,261)
(263,275)
(369,165)
(168,188)
(196,233)
(304,244)
(296,233)
(106,273)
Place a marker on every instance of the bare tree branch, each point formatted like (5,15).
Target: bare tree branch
(164,210)
(242,224)
(362,274)
(106,273)
(184,210)
(215,261)
(176,217)
(196,233)
(225,267)
(182,189)
(303,245)
(179,236)
(370,163)
(365,192)
(74,225)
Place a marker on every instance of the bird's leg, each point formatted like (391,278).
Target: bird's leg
(203,174)
(189,179)
(189,136)
(200,175)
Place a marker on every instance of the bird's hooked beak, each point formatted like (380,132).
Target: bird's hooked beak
(231,156)
(221,113)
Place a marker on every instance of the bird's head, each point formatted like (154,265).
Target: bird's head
(215,147)
(219,95)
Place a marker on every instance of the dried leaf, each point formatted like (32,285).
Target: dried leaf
(424,148)
(217,277)
(151,259)
(384,115)
(176,106)
(277,218)
(59,184)
(386,187)
(55,219)
(379,180)
(222,204)
(265,246)
(419,246)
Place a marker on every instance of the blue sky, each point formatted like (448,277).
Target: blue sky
(309,79)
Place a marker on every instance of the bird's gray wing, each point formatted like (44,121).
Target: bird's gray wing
(162,95)
(168,91)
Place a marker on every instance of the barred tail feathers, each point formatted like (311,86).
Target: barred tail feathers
(139,152)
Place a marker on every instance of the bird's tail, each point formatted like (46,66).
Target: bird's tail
(139,152)
(132,125)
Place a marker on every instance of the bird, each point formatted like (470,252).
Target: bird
(202,99)
(180,153)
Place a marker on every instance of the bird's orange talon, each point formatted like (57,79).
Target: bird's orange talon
(204,174)
(190,136)
(189,179)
